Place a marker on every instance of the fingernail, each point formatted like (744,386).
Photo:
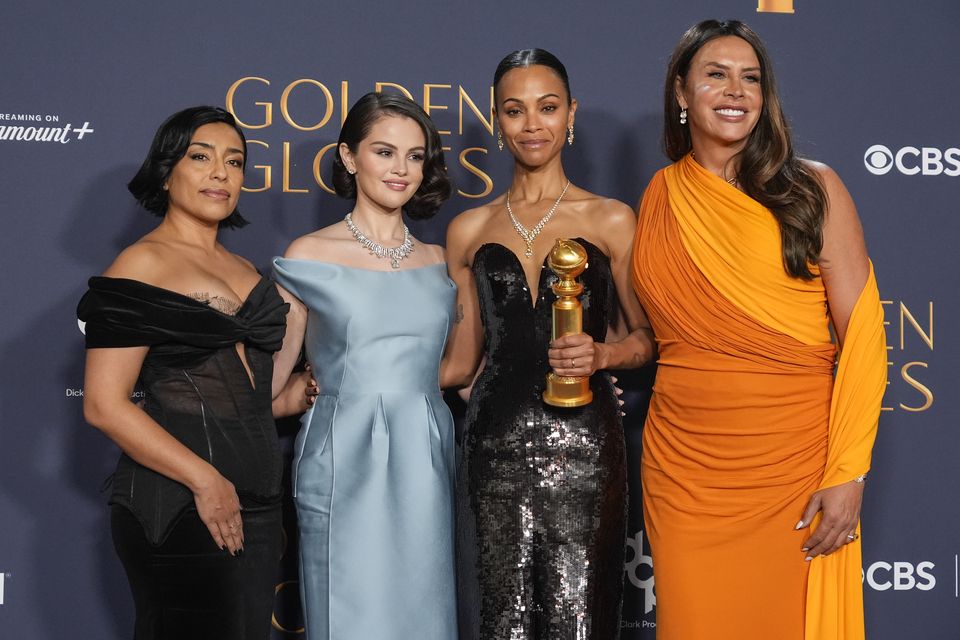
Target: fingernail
(805,549)
(808,558)
(799,526)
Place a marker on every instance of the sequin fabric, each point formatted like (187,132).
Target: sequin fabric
(543,490)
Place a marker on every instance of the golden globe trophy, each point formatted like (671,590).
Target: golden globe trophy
(567,259)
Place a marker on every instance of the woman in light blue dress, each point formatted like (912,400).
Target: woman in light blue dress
(373,474)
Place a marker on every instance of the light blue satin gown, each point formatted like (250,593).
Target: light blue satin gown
(373,468)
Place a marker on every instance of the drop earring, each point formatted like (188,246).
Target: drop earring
(499,140)
(683,116)
(570,135)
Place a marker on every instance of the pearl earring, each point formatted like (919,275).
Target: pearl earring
(683,116)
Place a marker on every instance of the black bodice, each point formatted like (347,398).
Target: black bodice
(516,328)
(196,387)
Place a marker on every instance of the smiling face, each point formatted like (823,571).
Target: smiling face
(388,162)
(205,183)
(723,93)
(534,114)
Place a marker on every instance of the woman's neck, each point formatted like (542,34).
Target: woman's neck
(533,184)
(187,230)
(379,224)
(719,160)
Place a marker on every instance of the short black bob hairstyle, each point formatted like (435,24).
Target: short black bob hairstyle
(434,189)
(168,147)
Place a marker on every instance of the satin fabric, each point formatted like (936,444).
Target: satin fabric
(747,419)
(373,468)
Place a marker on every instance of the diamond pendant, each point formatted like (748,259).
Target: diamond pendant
(529,251)
(395,263)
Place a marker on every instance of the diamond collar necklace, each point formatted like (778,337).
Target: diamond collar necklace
(531,235)
(396,254)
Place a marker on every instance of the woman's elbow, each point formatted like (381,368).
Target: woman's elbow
(93,411)
(454,377)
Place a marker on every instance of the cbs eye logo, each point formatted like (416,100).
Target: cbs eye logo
(910,161)
(878,160)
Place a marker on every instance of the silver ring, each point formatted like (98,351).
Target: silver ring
(573,363)
(852,536)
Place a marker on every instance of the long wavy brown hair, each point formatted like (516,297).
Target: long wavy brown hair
(770,172)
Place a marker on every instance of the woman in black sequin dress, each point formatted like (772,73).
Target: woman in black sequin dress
(543,512)
(197,326)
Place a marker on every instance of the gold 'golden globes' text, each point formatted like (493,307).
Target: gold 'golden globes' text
(910,348)
(307,107)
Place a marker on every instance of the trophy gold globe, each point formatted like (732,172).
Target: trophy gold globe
(567,259)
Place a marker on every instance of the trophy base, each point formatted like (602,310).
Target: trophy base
(567,391)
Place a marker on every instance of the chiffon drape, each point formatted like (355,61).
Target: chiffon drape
(748,418)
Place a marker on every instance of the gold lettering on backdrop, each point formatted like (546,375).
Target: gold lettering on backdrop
(267,170)
(922,388)
(472,168)
(775,6)
(317,159)
(908,324)
(273,619)
(927,337)
(487,124)
(267,106)
(380,86)
(308,105)
(429,107)
(285,98)
(886,323)
(286,172)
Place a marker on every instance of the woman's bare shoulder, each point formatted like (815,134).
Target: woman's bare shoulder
(145,260)
(317,244)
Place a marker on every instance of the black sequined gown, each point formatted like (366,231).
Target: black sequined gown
(543,489)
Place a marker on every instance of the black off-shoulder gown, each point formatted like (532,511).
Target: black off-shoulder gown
(195,386)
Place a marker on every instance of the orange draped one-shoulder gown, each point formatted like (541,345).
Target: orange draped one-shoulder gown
(747,420)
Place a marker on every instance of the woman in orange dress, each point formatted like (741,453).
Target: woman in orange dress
(755,449)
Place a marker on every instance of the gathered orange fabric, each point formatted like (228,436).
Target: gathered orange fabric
(747,419)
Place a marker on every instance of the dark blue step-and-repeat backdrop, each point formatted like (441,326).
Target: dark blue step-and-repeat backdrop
(871,88)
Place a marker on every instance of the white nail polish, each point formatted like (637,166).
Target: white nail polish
(808,558)
(799,525)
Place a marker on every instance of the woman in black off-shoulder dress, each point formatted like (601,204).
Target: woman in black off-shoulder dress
(542,517)
(196,494)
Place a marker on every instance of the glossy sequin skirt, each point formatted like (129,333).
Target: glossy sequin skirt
(542,514)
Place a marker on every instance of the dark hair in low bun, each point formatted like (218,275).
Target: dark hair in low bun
(523,58)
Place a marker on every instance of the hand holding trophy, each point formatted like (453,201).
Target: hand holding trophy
(567,259)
